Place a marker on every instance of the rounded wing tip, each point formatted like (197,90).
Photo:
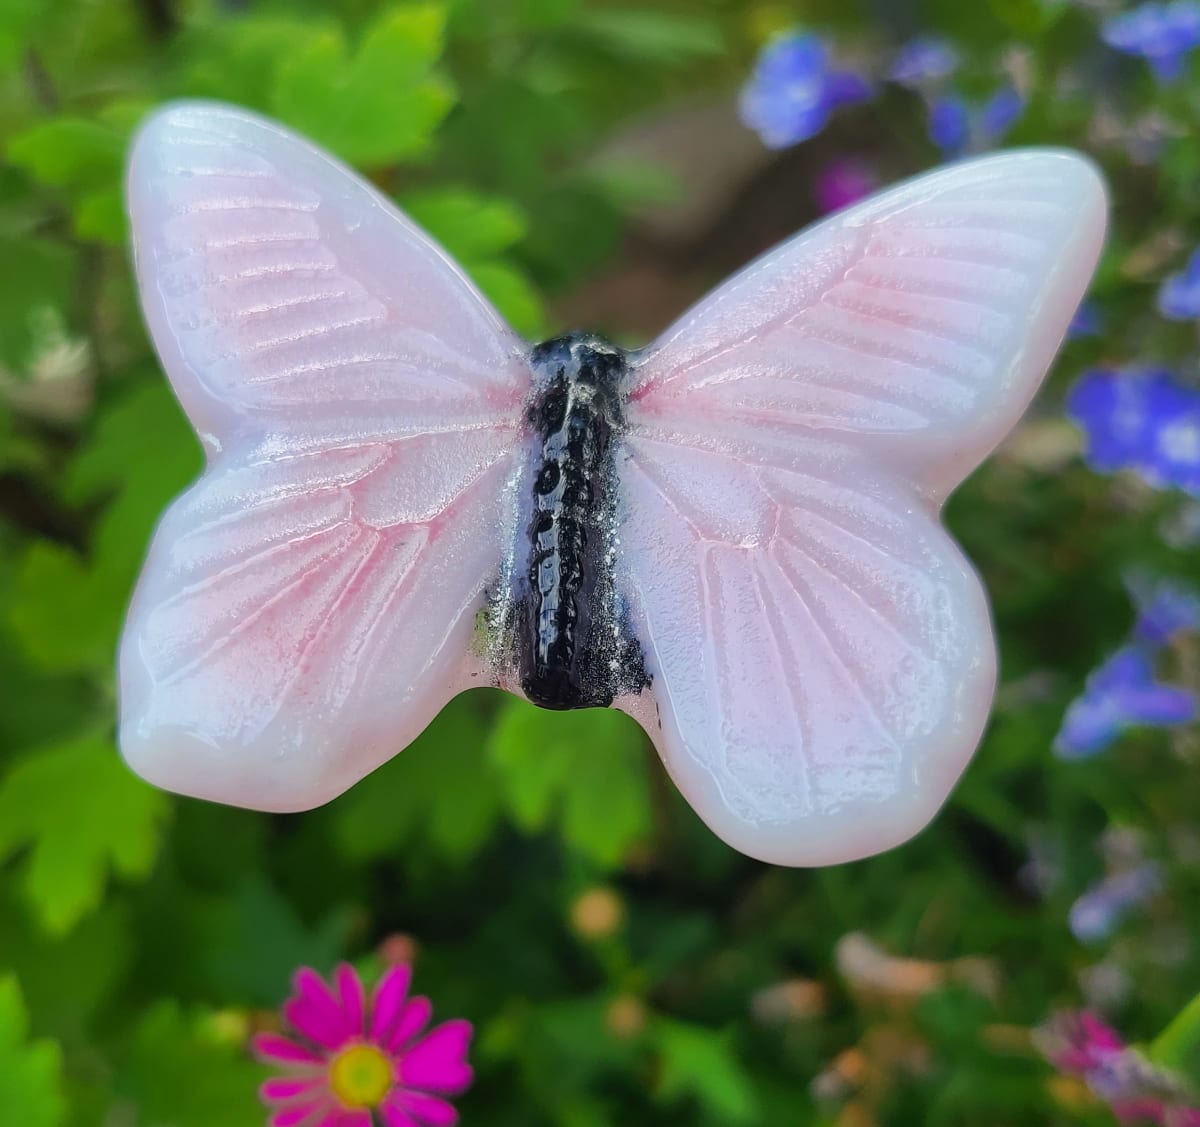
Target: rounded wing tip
(176,121)
(191,113)
(856,831)
(1079,176)
(183,762)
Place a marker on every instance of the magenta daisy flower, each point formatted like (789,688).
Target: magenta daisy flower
(1080,1044)
(356,1064)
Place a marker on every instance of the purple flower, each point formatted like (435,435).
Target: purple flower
(1162,34)
(1179,297)
(1087,322)
(843,182)
(1080,1044)
(1120,695)
(794,90)
(923,60)
(1144,420)
(957,126)
(1096,914)
(1165,609)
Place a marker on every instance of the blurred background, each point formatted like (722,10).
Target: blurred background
(601,164)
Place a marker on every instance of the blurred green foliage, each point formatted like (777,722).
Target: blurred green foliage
(142,937)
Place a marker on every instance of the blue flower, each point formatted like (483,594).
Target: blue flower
(924,60)
(957,126)
(1141,420)
(1165,608)
(794,90)
(1120,695)
(1162,34)
(1087,322)
(950,124)
(1179,297)
(1095,915)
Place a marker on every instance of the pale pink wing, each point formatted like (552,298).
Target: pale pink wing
(310,604)
(916,325)
(821,654)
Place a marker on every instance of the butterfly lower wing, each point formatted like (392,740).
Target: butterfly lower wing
(283,644)
(310,603)
(916,325)
(819,651)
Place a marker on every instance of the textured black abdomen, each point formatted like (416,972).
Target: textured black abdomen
(572,649)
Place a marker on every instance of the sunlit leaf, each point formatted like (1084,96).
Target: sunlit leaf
(378,102)
(654,36)
(439,794)
(468,225)
(181,1071)
(585,771)
(31,1092)
(701,1063)
(83,815)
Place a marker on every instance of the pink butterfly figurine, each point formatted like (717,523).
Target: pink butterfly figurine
(732,535)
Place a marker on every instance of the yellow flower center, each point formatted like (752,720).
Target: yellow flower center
(361,1076)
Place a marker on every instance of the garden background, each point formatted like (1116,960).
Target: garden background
(586,162)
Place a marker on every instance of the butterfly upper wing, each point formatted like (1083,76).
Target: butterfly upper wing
(820,651)
(310,604)
(916,325)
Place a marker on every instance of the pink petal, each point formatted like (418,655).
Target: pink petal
(298,1114)
(271,1047)
(288,1088)
(308,1022)
(427,1110)
(350,990)
(315,1012)
(1100,1035)
(395,1116)
(437,1063)
(415,1017)
(389,1000)
(357,1118)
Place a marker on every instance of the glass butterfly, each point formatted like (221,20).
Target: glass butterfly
(732,534)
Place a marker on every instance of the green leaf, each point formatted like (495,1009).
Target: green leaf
(82,814)
(1177,1048)
(1029,17)
(17,18)
(585,769)
(468,225)
(476,229)
(62,614)
(85,159)
(37,276)
(700,1063)
(255,940)
(439,793)
(237,60)
(31,1092)
(182,1072)
(542,14)
(66,980)
(69,152)
(150,422)
(653,37)
(66,611)
(378,105)
(513,295)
